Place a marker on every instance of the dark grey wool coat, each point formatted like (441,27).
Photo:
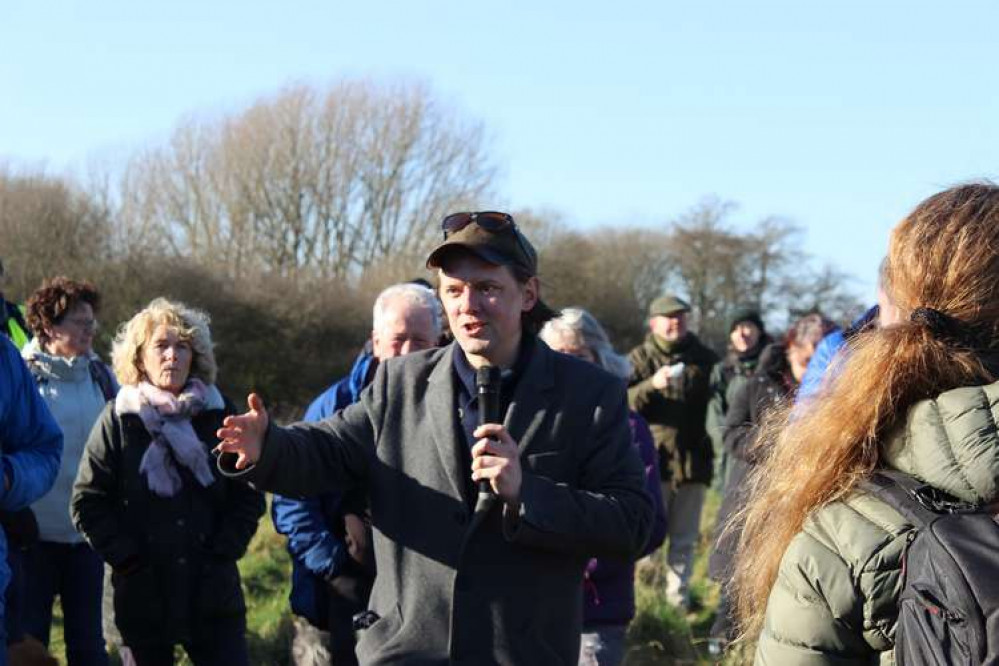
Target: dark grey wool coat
(483,585)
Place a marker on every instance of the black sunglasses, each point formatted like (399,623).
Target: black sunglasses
(488,220)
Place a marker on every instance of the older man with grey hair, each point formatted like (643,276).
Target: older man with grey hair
(328,536)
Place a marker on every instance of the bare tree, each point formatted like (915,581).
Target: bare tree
(48,226)
(612,272)
(723,270)
(310,182)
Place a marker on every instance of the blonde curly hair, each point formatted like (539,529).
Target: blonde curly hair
(191,325)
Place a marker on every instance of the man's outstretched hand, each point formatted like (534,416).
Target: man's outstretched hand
(244,434)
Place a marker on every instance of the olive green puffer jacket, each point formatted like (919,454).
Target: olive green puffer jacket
(834,601)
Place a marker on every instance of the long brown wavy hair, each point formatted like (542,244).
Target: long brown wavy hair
(943,256)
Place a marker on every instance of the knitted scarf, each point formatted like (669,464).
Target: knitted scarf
(167,418)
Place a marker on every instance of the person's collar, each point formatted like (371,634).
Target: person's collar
(466,373)
(464,369)
(670,346)
(753,353)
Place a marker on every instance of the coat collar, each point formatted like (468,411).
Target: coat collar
(529,403)
(444,422)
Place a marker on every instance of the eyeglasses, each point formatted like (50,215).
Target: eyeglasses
(85,324)
(490,220)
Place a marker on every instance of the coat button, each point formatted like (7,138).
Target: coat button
(180,522)
(181,560)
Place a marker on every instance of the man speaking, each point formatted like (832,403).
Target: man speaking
(465,577)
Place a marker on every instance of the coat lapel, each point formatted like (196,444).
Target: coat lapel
(526,413)
(447,430)
(531,398)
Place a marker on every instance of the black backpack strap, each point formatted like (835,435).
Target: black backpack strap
(102,377)
(903,493)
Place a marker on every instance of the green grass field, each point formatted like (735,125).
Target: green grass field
(659,635)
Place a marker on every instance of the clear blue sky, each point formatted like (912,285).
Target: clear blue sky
(840,116)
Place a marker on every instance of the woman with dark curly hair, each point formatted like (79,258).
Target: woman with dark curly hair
(75,384)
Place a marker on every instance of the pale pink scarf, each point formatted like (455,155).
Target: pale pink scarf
(167,418)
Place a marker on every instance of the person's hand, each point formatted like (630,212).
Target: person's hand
(495,457)
(660,380)
(356,536)
(668,375)
(244,434)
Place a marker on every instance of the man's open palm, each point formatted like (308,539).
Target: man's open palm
(243,434)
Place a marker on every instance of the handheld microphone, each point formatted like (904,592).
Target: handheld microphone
(487,384)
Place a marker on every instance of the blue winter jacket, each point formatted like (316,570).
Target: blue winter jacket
(827,350)
(824,354)
(317,554)
(31,443)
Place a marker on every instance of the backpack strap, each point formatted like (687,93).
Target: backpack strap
(102,377)
(903,493)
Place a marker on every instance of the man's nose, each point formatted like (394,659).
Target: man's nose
(467,302)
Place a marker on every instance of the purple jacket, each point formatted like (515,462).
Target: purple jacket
(609,585)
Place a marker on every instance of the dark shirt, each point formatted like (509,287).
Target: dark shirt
(467,399)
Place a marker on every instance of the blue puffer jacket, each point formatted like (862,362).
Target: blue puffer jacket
(827,351)
(30,439)
(317,553)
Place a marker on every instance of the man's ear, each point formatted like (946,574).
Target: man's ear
(531,290)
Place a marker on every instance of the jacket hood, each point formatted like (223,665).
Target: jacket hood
(56,368)
(952,443)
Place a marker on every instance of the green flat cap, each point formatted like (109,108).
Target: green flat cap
(668,304)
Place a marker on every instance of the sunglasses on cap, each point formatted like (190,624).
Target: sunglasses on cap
(490,220)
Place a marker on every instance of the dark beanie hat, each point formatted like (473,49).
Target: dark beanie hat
(750,316)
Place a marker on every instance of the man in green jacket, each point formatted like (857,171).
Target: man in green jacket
(670,387)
